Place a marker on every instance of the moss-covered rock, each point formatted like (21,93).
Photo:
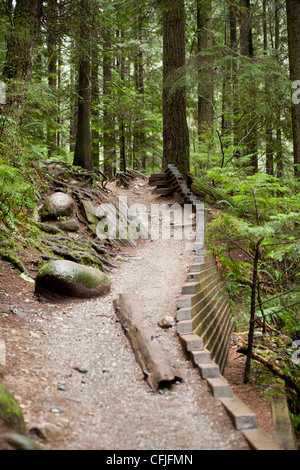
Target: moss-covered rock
(10,412)
(70,225)
(72,279)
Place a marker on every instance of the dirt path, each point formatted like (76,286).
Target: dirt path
(70,364)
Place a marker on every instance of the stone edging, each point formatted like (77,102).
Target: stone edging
(243,418)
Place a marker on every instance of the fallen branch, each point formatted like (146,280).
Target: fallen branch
(15,262)
(273,368)
(153,360)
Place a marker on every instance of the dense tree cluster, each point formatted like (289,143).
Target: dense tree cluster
(116,84)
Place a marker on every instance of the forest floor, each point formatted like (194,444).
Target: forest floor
(69,363)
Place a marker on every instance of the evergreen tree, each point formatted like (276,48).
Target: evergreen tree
(293,23)
(82,155)
(175,130)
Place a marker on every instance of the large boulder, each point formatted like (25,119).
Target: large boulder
(57,205)
(72,279)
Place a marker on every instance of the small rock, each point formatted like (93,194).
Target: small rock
(287,340)
(55,410)
(70,225)
(18,313)
(166,322)
(257,333)
(80,369)
(62,387)
(46,431)
(34,335)
(2,352)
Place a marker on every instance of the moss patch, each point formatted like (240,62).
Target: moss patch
(10,412)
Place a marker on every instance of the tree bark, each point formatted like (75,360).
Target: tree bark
(234,81)
(122,140)
(139,137)
(293,24)
(52,72)
(82,155)
(175,130)
(205,88)
(109,139)
(279,153)
(269,132)
(95,94)
(153,360)
(247,50)
(252,313)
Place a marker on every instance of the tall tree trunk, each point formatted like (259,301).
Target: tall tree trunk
(21,47)
(234,81)
(293,23)
(175,130)
(279,152)
(109,139)
(247,50)
(59,81)
(252,312)
(52,73)
(95,93)
(269,133)
(226,91)
(122,141)
(205,88)
(139,136)
(82,155)
(73,102)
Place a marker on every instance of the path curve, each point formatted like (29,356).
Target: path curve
(74,366)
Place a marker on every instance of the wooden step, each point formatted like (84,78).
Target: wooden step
(209,370)
(196,276)
(241,415)
(219,387)
(201,307)
(185,301)
(162,184)
(198,267)
(166,191)
(191,342)
(194,287)
(201,357)
(158,177)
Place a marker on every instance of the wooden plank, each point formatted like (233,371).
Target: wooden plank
(153,360)
(165,191)
(162,183)
(158,177)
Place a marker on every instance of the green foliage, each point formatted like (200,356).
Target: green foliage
(257,216)
(21,182)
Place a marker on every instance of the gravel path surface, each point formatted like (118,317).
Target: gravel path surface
(74,367)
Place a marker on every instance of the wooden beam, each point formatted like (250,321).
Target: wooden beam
(158,369)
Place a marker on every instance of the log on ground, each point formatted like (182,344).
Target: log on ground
(157,367)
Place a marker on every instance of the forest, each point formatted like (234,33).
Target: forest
(212,87)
